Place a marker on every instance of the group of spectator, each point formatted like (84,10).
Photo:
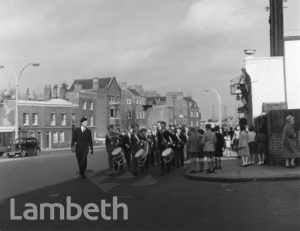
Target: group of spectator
(210,144)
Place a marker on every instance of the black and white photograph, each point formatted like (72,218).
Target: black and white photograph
(149,115)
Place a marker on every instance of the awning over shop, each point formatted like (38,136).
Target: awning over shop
(7,128)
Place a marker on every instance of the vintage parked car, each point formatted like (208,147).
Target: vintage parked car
(3,149)
(23,147)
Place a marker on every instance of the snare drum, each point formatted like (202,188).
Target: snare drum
(141,157)
(118,156)
(168,155)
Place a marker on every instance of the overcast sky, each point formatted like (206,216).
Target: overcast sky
(165,45)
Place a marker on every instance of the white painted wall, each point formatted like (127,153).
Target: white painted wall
(292,60)
(267,81)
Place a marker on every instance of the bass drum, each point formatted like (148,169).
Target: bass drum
(118,156)
(168,155)
(141,157)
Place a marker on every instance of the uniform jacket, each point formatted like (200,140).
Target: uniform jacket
(179,140)
(164,140)
(82,140)
(136,143)
(112,142)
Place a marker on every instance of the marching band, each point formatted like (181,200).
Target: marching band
(140,148)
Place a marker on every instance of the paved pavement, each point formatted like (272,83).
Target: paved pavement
(232,172)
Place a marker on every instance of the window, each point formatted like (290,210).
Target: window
(84,105)
(192,123)
(52,119)
(73,118)
(111,99)
(141,115)
(111,113)
(117,114)
(197,115)
(61,137)
(197,123)
(136,114)
(128,101)
(118,99)
(91,120)
(25,118)
(55,137)
(92,106)
(130,115)
(35,119)
(63,119)
(31,134)
(191,114)
(137,101)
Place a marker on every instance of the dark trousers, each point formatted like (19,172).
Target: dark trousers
(127,157)
(82,162)
(111,163)
(179,157)
(164,167)
(151,157)
(134,164)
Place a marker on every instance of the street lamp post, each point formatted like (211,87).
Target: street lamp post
(17,78)
(220,104)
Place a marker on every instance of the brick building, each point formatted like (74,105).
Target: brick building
(49,121)
(106,104)
(133,106)
(193,112)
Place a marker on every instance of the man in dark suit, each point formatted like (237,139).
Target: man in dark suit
(82,140)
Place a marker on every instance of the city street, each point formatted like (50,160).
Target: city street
(154,203)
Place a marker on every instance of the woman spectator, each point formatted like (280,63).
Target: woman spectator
(252,144)
(220,146)
(193,149)
(289,148)
(261,140)
(243,148)
(209,141)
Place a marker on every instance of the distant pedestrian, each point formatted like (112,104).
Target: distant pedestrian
(82,141)
(252,144)
(235,138)
(243,148)
(201,156)
(231,133)
(220,146)
(261,140)
(289,147)
(209,141)
(193,149)
(228,146)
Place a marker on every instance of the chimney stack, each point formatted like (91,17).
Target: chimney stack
(47,92)
(62,91)
(55,91)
